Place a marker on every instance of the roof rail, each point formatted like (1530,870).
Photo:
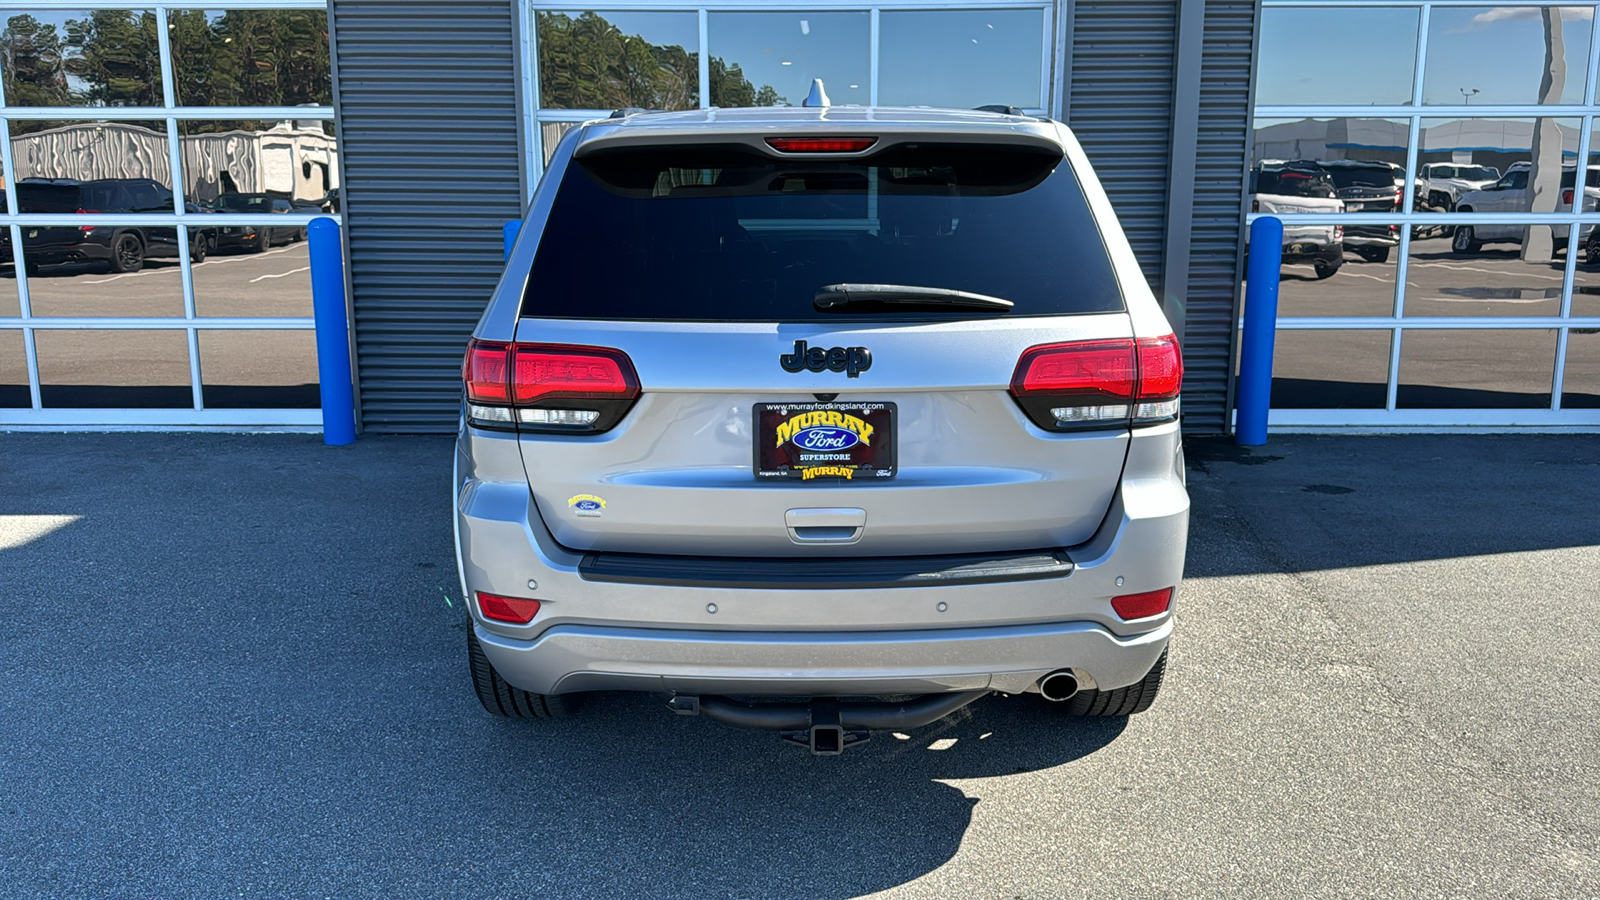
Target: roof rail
(629,111)
(1002,109)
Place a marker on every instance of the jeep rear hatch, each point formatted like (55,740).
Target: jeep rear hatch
(780,313)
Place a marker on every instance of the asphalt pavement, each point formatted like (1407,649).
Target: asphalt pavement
(235,665)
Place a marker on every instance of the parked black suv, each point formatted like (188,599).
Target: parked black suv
(1366,187)
(122,248)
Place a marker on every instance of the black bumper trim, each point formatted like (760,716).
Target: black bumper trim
(824,573)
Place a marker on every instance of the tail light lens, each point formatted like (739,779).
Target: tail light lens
(547,387)
(1089,384)
(1338,233)
(1142,606)
(515,610)
(1566,196)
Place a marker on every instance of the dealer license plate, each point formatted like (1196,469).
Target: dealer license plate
(825,442)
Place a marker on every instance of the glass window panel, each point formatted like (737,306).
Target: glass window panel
(103,57)
(13,371)
(960,58)
(1362,284)
(1476,369)
(1480,270)
(240,281)
(258,369)
(1330,369)
(1364,153)
(550,135)
(102,270)
(1580,385)
(590,60)
(1586,280)
(250,57)
(244,166)
(1344,55)
(10,306)
(1506,55)
(770,58)
(117,167)
(131,368)
(1496,165)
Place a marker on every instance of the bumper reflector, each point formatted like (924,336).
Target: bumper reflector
(1142,606)
(516,610)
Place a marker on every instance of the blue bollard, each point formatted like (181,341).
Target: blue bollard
(509,234)
(333,332)
(1260,330)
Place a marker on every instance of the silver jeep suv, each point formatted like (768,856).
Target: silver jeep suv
(822,421)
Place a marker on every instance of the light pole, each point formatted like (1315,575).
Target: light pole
(1466,95)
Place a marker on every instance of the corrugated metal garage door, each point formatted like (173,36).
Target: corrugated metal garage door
(428,108)
(1218,213)
(1120,107)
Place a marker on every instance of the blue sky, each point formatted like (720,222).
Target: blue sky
(1367,55)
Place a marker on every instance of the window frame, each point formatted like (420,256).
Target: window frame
(178,216)
(1415,112)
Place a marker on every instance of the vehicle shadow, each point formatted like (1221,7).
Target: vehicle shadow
(712,810)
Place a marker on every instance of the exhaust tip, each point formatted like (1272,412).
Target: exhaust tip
(1058,685)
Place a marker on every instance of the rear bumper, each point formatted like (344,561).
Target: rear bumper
(750,639)
(572,658)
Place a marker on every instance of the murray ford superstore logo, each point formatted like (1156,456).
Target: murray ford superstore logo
(824,429)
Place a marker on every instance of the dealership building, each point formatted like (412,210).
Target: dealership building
(161,163)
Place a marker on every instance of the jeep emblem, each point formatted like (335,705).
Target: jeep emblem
(850,360)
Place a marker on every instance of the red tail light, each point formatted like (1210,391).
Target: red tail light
(545,371)
(487,371)
(92,212)
(1566,196)
(820,144)
(516,610)
(547,387)
(1090,383)
(1142,606)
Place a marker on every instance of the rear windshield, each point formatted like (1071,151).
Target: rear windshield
(242,203)
(47,198)
(708,235)
(1361,176)
(1294,183)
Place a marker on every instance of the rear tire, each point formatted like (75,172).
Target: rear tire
(127,253)
(1465,241)
(1123,701)
(500,697)
(1373,254)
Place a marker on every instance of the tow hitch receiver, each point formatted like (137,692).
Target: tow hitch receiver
(826,737)
(826,726)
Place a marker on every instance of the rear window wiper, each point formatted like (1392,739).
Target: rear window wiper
(833,296)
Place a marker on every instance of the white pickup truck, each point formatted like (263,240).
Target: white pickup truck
(1440,185)
(1510,194)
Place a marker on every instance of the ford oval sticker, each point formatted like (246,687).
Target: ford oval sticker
(586,504)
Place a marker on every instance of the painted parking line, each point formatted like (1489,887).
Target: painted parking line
(280,274)
(208,262)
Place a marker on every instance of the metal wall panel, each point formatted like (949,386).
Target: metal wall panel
(428,119)
(1119,104)
(1220,153)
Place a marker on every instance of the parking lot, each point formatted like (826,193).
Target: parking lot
(234,664)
